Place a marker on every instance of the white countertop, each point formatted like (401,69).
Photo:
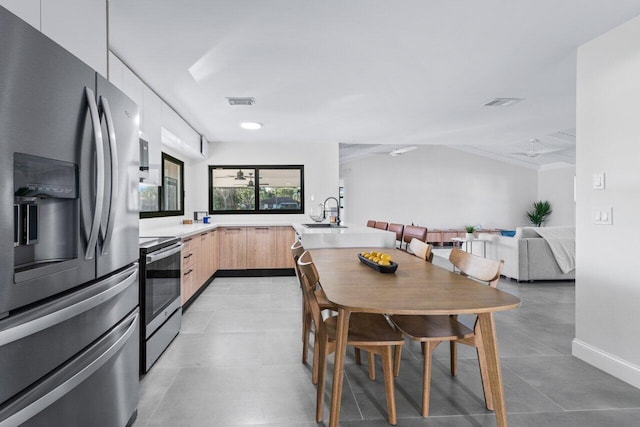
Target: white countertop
(177,230)
(352,236)
(185,230)
(329,237)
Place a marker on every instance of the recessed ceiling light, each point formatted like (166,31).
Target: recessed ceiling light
(250,125)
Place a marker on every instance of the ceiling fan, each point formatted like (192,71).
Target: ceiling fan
(395,152)
(239,176)
(537,149)
(399,151)
(251,183)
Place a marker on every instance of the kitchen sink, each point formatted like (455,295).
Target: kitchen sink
(320,225)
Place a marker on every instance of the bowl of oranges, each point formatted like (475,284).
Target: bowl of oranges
(379,261)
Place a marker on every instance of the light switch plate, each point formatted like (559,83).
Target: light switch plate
(598,181)
(602,216)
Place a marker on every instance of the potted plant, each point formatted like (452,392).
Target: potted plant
(470,229)
(540,212)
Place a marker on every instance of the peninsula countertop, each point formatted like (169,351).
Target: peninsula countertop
(348,236)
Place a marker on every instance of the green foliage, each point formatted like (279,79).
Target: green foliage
(243,198)
(149,200)
(470,228)
(540,212)
(236,199)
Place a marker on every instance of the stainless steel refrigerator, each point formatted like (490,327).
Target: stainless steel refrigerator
(68,238)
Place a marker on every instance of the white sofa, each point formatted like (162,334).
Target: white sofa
(527,256)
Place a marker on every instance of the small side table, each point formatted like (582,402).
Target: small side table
(468,244)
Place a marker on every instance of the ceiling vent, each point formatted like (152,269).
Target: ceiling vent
(502,102)
(241,101)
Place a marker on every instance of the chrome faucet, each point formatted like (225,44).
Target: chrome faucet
(324,209)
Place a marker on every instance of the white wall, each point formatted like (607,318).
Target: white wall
(608,140)
(556,186)
(320,174)
(438,187)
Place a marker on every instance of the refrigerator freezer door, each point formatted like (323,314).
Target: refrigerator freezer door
(118,245)
(38,340)
(98,387)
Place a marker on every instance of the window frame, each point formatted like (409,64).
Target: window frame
(160,212)
(256,209)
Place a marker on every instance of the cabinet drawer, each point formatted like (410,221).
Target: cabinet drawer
(188,255)
(187,284)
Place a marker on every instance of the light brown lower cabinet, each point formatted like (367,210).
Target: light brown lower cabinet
(233,248)
(199,262)
(255,247)
(202,267)
(285,237)
(213,250)
(190,253)
(232,251)
(261,247)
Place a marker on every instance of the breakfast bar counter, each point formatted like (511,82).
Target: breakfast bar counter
(315,236)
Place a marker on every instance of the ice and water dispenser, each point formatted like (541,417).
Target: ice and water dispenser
(45,211)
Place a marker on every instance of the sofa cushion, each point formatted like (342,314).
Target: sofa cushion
(526,233)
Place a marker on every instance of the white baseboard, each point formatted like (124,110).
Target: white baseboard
(613,365)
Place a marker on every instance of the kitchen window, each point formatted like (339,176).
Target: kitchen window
(167,199)
(256,189)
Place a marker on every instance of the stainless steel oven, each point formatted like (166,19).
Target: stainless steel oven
(160,263)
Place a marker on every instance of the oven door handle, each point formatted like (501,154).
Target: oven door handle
(157,256)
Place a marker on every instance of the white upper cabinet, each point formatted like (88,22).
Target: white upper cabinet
(151,116)
(116,69)
(151,124)
(150,108)
(159,123)
(80,26)
(27,10)
(134,88)
(178,135)
(204,147)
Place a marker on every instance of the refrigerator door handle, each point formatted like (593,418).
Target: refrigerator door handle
(27,410)
(106,230)
(97,212)
(48,320)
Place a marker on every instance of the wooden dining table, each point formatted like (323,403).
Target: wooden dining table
(416,287)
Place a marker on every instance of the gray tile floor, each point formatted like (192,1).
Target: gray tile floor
(237,362)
